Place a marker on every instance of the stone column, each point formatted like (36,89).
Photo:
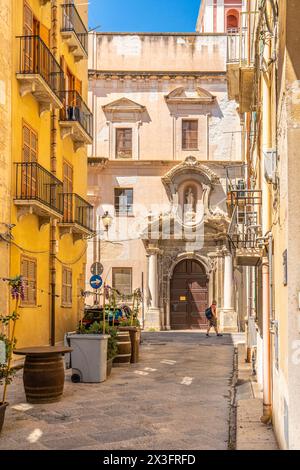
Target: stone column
(152,318)
(228,317)
(228,273)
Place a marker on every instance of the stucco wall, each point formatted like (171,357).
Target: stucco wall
(157,51)
(5,141)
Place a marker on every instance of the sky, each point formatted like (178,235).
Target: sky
(143,15)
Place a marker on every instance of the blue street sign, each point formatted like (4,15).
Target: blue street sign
(96,282)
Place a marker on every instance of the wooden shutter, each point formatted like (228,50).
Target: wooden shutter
(190,134)
(29,273)
(122,280)
(66,287)
(30,144)
(27,20)
(68,190)
(29,155)
(123,143)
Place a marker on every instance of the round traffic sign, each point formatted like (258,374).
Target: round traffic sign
(96,282)
(97,268)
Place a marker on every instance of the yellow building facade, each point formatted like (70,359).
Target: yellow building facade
(51,127)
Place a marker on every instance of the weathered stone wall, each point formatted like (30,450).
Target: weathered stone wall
(158,52)
(5,141)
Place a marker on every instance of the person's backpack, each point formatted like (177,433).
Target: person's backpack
(208,313)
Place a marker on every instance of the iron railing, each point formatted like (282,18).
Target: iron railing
(36,58)
(77,211)
(245,224)
(71,21)
(34,182)
(75,109)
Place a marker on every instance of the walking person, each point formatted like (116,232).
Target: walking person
(211,315)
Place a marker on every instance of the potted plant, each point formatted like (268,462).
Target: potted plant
(9,342)
(89,354)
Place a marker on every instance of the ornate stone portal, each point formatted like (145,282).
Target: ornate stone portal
(172,237)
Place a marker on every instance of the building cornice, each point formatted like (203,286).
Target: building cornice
(155,75)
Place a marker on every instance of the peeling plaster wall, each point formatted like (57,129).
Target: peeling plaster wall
(158,134)
(154,52)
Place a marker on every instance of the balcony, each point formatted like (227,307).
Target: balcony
(240,62)
(245,228)
(39,73)
(76,120)
(38,192)
(77,218)
(74,32)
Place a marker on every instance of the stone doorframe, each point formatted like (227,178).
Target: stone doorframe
(208,265)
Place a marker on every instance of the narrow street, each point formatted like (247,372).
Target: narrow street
(177,397)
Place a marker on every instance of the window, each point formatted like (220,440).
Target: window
(190,135)
(123,201)
(68,190)
(28,272)
(122,280)
(232,21)
(67,287)
(124,143)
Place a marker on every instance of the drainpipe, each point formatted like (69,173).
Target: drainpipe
(53,164)
(267,406)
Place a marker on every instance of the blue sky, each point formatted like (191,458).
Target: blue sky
(143,15)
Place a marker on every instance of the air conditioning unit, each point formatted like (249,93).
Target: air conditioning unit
(270,163)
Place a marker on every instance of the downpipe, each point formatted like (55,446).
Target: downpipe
(267,290)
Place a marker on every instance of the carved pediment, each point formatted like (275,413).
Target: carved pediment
(124,105)
(191,166)
(184,96)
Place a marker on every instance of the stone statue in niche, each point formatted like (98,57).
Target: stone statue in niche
(190,199)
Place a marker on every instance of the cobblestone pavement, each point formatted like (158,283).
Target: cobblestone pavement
(177,397)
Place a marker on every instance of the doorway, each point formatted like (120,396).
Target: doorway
(189,296)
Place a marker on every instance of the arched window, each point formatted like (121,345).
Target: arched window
(232,20)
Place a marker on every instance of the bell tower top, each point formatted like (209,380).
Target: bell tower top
(219,16)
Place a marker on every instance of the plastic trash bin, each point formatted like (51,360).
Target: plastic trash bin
(88,358)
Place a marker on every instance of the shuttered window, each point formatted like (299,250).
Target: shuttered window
(189,134)
(29,274)
(67,287)
(123,143)
(122,280)
(30,144)
(27,20)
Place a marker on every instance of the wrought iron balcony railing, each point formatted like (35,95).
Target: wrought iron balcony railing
(72,22)
(36,59)
(77,211)
(35,183)
(245,224)
(75,109)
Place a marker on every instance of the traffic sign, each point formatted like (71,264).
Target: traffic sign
(96,282)
(97,268)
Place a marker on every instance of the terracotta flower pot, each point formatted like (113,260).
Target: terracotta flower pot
(3,407)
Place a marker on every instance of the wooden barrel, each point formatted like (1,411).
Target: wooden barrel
(124,349)
(135,335)
(44,378)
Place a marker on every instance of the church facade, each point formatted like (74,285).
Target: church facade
(167,138)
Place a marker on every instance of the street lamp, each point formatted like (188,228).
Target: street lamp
(107,220)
